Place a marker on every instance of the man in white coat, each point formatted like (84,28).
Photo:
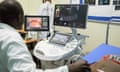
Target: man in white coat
(47,9)
(14,55)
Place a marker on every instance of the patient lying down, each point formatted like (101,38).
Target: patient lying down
(105,66)
(108,63)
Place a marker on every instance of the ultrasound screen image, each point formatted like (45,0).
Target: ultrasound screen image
(70,15)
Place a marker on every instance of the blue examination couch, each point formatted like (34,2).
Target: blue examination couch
(103,49)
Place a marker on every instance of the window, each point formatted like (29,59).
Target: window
(117,7)
(104,2)
(116,2)
(90,2)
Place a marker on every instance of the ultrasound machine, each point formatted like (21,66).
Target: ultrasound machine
(60,46)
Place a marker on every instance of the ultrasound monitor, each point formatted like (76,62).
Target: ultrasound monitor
(36,23)
(70,15)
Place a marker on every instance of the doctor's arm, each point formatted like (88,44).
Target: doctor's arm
(79,66)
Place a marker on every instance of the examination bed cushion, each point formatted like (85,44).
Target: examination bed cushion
(102,50)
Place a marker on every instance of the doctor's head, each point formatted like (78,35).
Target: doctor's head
(11,13)
(47,0)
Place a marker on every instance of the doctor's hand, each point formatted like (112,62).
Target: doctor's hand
(79,66)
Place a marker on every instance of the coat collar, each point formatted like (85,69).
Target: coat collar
(5,26)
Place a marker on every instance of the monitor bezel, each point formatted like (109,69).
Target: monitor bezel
(35,16)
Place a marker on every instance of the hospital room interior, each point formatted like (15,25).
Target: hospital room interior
(99,37)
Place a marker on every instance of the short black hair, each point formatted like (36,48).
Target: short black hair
(11,10)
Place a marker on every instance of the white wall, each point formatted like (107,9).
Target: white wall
(1,0)
(32,6)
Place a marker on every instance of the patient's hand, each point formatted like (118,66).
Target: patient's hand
(79,66)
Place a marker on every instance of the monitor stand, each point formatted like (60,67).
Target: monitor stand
(74,34)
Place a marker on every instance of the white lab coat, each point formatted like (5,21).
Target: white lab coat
(47,9)
(14,55)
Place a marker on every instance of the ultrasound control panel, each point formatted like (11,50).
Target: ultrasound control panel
(59,38)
